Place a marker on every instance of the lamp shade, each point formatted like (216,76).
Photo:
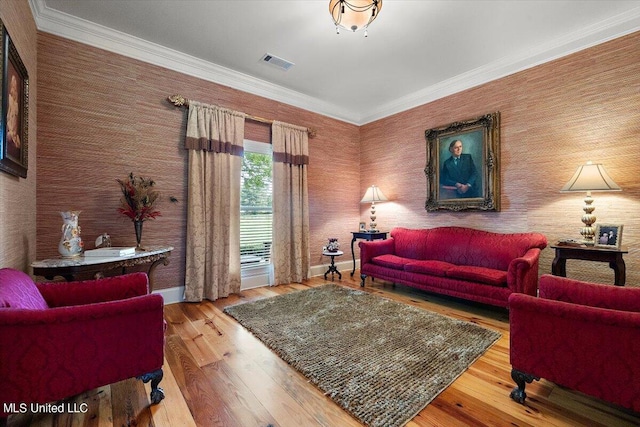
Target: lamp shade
(590,177)
(354,14)
(373,194)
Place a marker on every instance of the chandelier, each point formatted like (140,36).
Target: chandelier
(354,14)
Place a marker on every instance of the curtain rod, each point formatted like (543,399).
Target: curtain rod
(181,101)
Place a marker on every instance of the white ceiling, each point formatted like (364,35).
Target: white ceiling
(416,51)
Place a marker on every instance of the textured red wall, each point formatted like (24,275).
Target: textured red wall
(18,195)
(556,116)
(102,115)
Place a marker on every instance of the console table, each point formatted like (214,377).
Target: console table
(366,235)
(71,268)
(590,253)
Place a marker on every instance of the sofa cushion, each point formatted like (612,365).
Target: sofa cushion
(432,267)
(410,243)
(17,290)
(484,275)
(391,261)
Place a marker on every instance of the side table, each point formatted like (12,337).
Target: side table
(366,235)
(590,253)
(332,268)
(72,268)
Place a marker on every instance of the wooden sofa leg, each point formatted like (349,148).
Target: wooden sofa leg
(363,277)
(521,379)
(157,394)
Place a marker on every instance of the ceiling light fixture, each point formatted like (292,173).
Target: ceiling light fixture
(354,14)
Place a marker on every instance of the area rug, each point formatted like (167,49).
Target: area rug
(380,360)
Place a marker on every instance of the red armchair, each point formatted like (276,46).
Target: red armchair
(580,335)
(61,339)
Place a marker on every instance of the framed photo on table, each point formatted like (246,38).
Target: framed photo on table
(14,137)
(362,226)
(608,236)
(463,162)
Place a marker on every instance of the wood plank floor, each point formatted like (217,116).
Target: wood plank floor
(218,374)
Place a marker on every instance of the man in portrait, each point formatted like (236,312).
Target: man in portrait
(459,174)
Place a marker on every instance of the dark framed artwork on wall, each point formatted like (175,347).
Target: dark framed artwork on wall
(14,126)
(463,160)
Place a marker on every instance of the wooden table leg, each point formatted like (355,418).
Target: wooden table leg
(559,266)
(163,261)
(353,255)
(619,271)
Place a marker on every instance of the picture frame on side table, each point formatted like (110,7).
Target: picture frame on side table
(608,236)
(362,226)
(463,164)
(14,135)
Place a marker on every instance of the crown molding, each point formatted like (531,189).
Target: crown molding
(89,33)
(587,37)
(82,31)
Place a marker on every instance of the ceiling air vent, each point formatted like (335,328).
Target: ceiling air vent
(283,64)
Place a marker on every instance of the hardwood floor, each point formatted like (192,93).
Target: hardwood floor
(218,374)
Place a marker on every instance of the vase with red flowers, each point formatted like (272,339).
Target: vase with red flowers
(138,199)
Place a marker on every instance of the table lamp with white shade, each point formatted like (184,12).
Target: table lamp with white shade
(373,195)
(590,177)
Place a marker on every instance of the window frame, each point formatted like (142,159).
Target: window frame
(260,275)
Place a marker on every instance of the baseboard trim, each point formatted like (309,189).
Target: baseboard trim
(176,294)
(171,295)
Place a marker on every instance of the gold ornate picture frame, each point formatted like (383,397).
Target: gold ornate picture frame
(608,236)
(14,137)
(463,163)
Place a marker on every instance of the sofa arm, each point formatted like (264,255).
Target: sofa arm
(522,275)
(591,294)
(78,348)
(372,249)
(592,350)
(60,294)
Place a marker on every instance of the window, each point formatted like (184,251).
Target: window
(256,213)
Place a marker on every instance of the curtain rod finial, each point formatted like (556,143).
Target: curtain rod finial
(178,100)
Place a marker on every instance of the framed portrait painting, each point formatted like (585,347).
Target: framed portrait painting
(14,134)
(463,165)
(608,236)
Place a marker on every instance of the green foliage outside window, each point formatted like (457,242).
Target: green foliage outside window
(256,181)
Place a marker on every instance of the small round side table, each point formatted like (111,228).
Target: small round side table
(332,268)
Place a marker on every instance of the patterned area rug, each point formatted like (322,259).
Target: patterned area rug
(380,360)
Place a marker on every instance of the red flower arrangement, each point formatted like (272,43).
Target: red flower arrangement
(138,198)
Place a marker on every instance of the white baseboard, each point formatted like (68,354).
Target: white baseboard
(171,295)
(344,267)
(176,294)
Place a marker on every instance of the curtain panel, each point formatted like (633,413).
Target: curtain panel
(214,139)
(290,248)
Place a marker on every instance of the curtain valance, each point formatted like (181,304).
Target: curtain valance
(213,128)
(290,143)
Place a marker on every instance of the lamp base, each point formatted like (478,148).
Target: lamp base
(588,231)
(588,236)
(372,224)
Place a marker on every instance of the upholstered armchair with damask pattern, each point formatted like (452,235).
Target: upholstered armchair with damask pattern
(61,339)
(579,335)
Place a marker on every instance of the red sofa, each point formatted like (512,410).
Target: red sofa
(462,262)
(61,339)
(580,335)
